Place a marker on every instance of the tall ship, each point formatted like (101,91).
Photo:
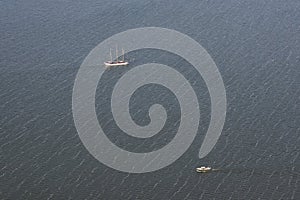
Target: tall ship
(116,62)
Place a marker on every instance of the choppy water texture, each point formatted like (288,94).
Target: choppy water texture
(256,46)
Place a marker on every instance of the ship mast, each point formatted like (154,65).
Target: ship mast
(123,59)
(110,55)
(117,53)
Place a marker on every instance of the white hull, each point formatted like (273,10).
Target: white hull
(107,64)
(203,169)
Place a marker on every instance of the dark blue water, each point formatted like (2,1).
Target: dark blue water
(256,46)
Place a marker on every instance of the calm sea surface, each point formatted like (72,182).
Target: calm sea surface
(256,46)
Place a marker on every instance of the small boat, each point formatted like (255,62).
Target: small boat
(116,62)
(203,169)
